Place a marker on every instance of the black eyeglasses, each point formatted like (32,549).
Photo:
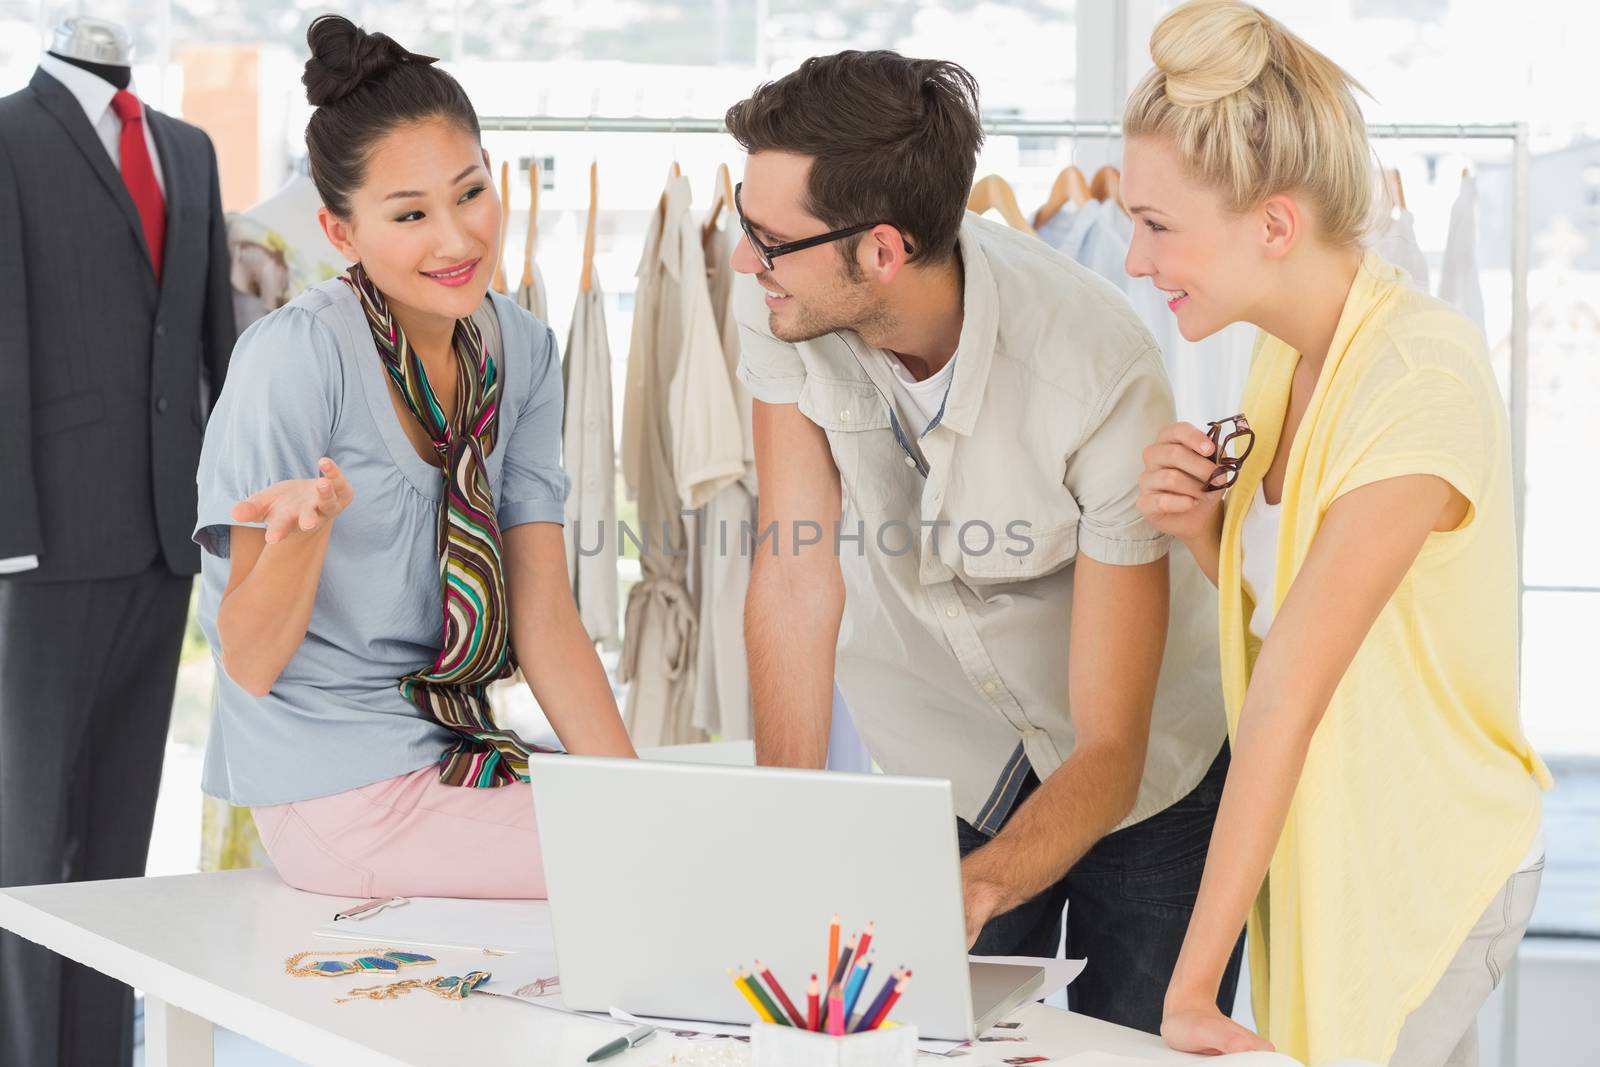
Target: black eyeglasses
(1232,449)
(767,253)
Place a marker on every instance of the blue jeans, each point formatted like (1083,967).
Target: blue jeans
(1131,896)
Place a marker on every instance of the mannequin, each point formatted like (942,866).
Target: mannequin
(116,323)
(99,47)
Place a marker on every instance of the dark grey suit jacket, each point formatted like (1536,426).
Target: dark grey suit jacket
(106,375)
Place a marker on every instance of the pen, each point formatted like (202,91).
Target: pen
(626,1041)
(369,908)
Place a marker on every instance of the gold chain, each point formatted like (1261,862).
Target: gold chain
(450,988)
(291,966)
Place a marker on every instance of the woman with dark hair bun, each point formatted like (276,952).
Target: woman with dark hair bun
(381,503)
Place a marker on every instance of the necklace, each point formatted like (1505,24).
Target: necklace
(384,960)
(449,987)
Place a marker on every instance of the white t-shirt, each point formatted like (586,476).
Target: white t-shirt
(920,402)
(1260,544)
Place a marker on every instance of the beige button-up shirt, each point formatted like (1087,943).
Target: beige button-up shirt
(957,547)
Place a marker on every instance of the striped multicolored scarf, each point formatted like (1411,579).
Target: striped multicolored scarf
(477,620)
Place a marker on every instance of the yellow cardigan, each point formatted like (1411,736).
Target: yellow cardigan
(1420,793)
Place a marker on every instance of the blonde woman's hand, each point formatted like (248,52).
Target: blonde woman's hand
(301,505)
(1172,490)
(1205,1030)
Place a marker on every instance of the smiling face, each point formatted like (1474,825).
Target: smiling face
(1214,265)
(425,223)
(815,291)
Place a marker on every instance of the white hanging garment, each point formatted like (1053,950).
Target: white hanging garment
(720,563)
(681,446)
(589,452)
(278,251)
(1398,244)
(1459,284)
(1207,376)
(535,297)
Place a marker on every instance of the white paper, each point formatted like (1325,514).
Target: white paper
(437,922)
(1058,974)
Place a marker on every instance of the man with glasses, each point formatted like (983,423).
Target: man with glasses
(949,423)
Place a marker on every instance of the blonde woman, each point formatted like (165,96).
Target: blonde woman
(1380,826)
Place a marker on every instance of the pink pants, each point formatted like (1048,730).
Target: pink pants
(408,836)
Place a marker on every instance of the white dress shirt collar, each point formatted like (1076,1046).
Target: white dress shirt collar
(93,92)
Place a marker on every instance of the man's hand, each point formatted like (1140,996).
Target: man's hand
(984,894)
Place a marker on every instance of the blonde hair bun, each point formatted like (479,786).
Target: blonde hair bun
(1210,49)
(1254,110)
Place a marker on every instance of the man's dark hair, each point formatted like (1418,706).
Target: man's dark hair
(892,140)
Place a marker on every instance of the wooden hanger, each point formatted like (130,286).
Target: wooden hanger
(588,235)
(1107,186)
(1069,188)
(995,192)
(1397,189)
(721,197)
(533,224)
(505,193)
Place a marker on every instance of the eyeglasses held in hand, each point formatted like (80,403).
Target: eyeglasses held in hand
(1232,445)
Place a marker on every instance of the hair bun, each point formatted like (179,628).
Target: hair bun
(1210,49)
(345,57)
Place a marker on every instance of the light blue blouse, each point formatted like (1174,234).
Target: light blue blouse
(306,381)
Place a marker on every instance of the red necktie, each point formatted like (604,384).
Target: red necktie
(140,175)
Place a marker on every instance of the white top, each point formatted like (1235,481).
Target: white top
(1260,545)
(920,402)
(94,95)
(1398,244)
(588,450)
(1458,273)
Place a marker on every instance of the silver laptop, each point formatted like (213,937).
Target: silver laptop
(663,875)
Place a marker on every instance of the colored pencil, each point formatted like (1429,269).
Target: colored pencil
(766,1001)
(836,1012)
(877,1020)
(833,943)
(835,983)
(852,989)
(783,998)
(843,968)
(813,996)
(880,1000)
(866,939)
(761,1013)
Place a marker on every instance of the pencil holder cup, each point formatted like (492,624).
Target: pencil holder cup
(786,1046)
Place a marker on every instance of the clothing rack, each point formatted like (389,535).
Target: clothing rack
(1521,218)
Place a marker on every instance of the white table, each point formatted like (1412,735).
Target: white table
(208,949)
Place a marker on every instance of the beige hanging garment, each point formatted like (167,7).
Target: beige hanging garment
(721,560)
(588,449)
(681,446)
